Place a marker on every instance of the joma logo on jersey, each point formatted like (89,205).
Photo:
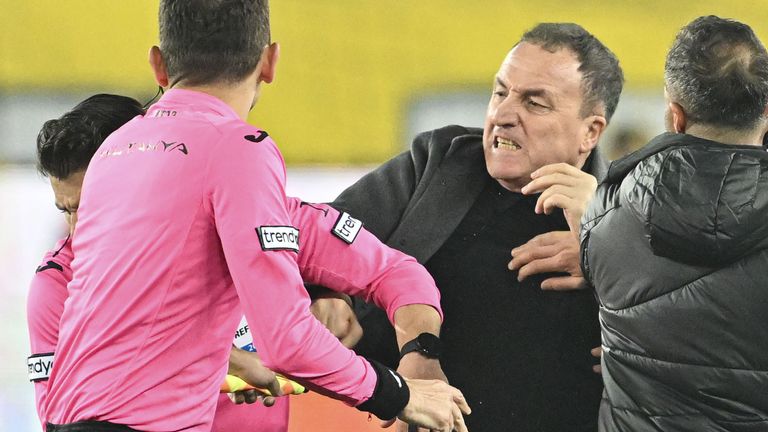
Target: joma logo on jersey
(278,238)
(347,228)
(40,366)
(257,139)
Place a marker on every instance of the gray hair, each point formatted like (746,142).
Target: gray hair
(602,78)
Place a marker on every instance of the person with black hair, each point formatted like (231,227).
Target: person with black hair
(516,342)
(183,216)
(675,245)
(65,145)
(64,149)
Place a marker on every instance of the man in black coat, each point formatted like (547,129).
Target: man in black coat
(676,245)
(516,336)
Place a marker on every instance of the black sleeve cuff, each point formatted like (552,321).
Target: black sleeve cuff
(390,396)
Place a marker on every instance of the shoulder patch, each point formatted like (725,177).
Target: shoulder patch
(40,366)
(278,238)
(49,265)
(347,228)
(257,138)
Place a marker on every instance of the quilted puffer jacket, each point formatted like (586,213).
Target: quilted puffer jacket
(676,245)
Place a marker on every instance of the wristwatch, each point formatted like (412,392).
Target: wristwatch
(427,344)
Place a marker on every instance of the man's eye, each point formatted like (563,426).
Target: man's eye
(500,93)
(65,211)
(534,104)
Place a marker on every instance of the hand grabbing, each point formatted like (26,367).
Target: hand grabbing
(336,314)
(556,251)
(564,186)
(415,365)
(247,365)
(434,405)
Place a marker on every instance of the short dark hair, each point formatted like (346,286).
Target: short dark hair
(717,70)
(65,145)
(209,41)
(601,75)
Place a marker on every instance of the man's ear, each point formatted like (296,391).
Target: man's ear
(268,61)
(678,117)
(595,125)
(157,63)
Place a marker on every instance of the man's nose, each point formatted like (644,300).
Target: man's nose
(507,113)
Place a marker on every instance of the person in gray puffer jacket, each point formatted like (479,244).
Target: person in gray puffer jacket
(675,243)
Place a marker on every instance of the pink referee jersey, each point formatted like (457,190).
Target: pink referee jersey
(45,303)
(317,224)
(182,211)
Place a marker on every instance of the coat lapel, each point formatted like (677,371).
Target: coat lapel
(447,197)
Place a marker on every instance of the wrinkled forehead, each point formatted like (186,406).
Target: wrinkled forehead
(530,66)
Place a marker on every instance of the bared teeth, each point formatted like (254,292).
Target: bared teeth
(507,144)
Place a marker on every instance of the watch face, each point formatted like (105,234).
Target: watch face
(430,344)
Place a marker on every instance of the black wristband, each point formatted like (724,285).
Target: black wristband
(390,396)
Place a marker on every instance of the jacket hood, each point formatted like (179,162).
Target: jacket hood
(702,202)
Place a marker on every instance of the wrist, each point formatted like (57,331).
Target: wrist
(390,396)
(236,361)
(418,356)
(411,320)
(425,344)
